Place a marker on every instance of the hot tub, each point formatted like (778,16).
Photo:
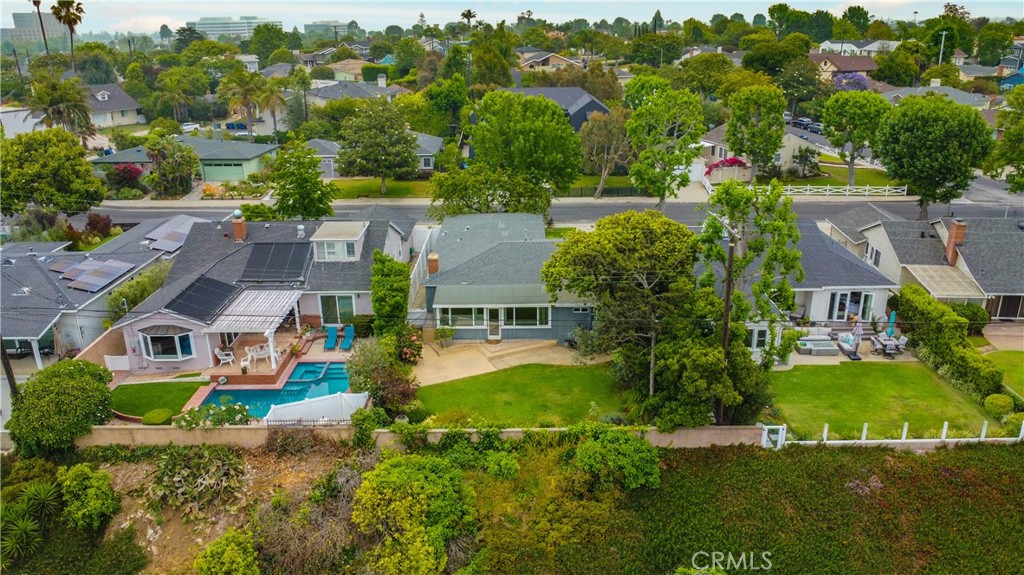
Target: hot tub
(816,347)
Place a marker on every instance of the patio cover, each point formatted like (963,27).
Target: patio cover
(337,406)
(945,281)
(255,311)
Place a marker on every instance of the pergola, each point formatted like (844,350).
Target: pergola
(258,311)
(946,283)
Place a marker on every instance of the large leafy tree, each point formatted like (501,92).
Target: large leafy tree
(934,145)
(480,189)
(639,89)
(200,49)
(896,68)
(851,121)
(374,142)
(298,190)
(242,89)
(994,39)
(1009,150)
(634,267)
(69,13)
(184,36)
(801,82)
(175,166)
(664,132)
(704,72)
(948,74)
(762,227)
(527,135)
(407,52)
(739,79)
(389,292)
(756,125)
(448,96)
(96,68)
(47,169)
(489,67)
(859,17)
(606,144)
(456,61)
(265,39)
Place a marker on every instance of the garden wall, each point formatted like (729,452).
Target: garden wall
(110,343)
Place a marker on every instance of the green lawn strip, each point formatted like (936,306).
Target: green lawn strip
(527,395)
(838,176)
(90,247)
(1012,364)
(141,398)
(884,395)
(555,233)
(129,129)
(588,181)
(187,375)
(351,188)
(978,340)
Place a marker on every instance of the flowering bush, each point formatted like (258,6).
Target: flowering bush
(731,162)
(207,416)
(124,176)
(410,344)
(850,82)
(211,190)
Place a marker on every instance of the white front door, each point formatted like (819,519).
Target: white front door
(494,323)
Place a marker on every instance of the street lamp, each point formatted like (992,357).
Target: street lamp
(915,17)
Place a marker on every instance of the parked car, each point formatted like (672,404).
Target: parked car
(803,123)
(189,127)
(787,117)
(816,128)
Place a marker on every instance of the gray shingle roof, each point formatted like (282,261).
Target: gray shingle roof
(117,99)
(207,150)
(993,250)
(506,263)
(346,89)
(21,248)
(282,70)
(958,96)
(427,145)
(914,242)
(828,264)
(851,222)
(462,238)
(569,99)
(323,148)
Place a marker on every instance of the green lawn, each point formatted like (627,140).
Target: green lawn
(586,181)
(141,398)
(91,247)
(351,188)
(130,128)
(978,340)
(882,394)
(188,375)
(527,395)
(555,233)
(1012,363)
(837,176)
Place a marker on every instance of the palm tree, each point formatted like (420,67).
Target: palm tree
(61,103)
(242,88)
(468,16)
(176,98)
(42,31)
(272,100)
(69,13)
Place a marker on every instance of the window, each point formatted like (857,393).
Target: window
(777,158)
(526,317)
(722,152)
(872,255)
(167,347)
(124,113)
(757,338)
(462,316)
(350,250)
(428,163)
(332,251)
(581,310)
(335,309)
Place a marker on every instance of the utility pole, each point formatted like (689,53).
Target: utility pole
(9,372)
(943,46)
(17,62)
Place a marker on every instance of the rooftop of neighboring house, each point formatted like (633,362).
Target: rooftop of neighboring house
(851,222)
(247,57)
(993,249)
(323,148)
(958,53)
(716,136)
(958,96)
(843,63)
(427,145)
(846,44)
(281,70)
(40,280)
(538,56)
(351,66)
(347,89)
(570,99)
(827,264)
(914,242)
(975,70)
(109,98)
(211,256)
(206,149)
(879,87)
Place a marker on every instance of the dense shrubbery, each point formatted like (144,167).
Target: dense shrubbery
(615,457)
(124,176)
(976,316)
(364,421)
(233,553)
(89,500)
(59,403)
(375,367)
(999,405)
(941,336)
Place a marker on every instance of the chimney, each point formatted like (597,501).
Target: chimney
(238,226)
(1000,70)
(382,80)
(957,232)
(433,263)
(936,82)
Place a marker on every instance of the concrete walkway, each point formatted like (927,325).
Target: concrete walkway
(1005,336)
(464,359)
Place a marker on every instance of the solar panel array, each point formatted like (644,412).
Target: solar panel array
(62,265)
(92,275)
(279,262)
(171,235)
(203,299)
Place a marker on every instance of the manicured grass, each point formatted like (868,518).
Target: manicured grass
(837,176)
(187,375)
(141,398)
(830,158)
(587,181)
(884,395)
(554,233)
(978,340)
(91,247)
(351,188)
(527,395)
(130,128)
(1012,364)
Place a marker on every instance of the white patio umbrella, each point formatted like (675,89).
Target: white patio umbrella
(858,330)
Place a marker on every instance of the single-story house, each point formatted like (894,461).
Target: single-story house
(832,64)
(1012,81)
(427,148)
(109,105)
(978,101)
(715,149)
(281,70)
(350,70)
(55,301)
(314,58)
(250,62)
(484,280)
(577,103)
(327,152)
(19,121)
(545,61)
(232,279)
(219,160)
(362,90)
(969,72)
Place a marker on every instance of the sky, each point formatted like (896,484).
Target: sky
(148,15)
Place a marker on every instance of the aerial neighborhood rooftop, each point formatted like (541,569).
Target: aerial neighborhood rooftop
(490,288)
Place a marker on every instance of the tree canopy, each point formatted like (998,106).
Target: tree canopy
(755,127)
(389,292)
(606,144)
(663,132)
(47,169)
(851,120)
(480,189)
(374,142)
(299,192)
(1009,150)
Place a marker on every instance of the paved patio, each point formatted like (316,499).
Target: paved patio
(1005,336)
(461,359)
(863,350)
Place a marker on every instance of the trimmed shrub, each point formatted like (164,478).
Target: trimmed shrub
(158,417)
(614,457)
(89,500)
(999,405)
(1012,424)
(363,325)
(233,553)
(59,403)
(976,316)
(364,422)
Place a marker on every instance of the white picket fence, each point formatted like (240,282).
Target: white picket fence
(791,190)
(866,162)
(775,437)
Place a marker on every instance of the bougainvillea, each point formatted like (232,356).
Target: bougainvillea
(731,162)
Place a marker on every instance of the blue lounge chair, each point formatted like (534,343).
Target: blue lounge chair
(350,336)
(332,338)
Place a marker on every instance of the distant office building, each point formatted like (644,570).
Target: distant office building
(26,27)
(326,27)
(215,26)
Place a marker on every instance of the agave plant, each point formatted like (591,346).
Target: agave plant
(21,538)
(42,499)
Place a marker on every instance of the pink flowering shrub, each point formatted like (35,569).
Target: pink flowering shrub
(731,162)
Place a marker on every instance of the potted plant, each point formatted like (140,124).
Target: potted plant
(296,349)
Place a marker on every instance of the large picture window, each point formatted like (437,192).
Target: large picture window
(461,316)
(166,343)
(527,317)
(335,309)
(335,251)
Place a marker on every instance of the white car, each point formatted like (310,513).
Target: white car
(189,127)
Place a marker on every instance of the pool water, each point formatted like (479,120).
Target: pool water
(306,381)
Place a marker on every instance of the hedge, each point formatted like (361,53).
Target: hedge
(976,316)
(936,327)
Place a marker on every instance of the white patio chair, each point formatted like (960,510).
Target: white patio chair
(227,357)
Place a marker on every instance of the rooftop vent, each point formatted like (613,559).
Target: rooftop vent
(1020,225)
(8,262)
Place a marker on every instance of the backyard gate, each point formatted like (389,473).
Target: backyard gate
(773,436)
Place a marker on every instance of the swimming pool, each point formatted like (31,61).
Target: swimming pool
(306,381)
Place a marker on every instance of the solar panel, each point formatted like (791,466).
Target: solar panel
(171,235)
(80,268)
(62,265)
(203,299)
(278,262)
(94,275)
